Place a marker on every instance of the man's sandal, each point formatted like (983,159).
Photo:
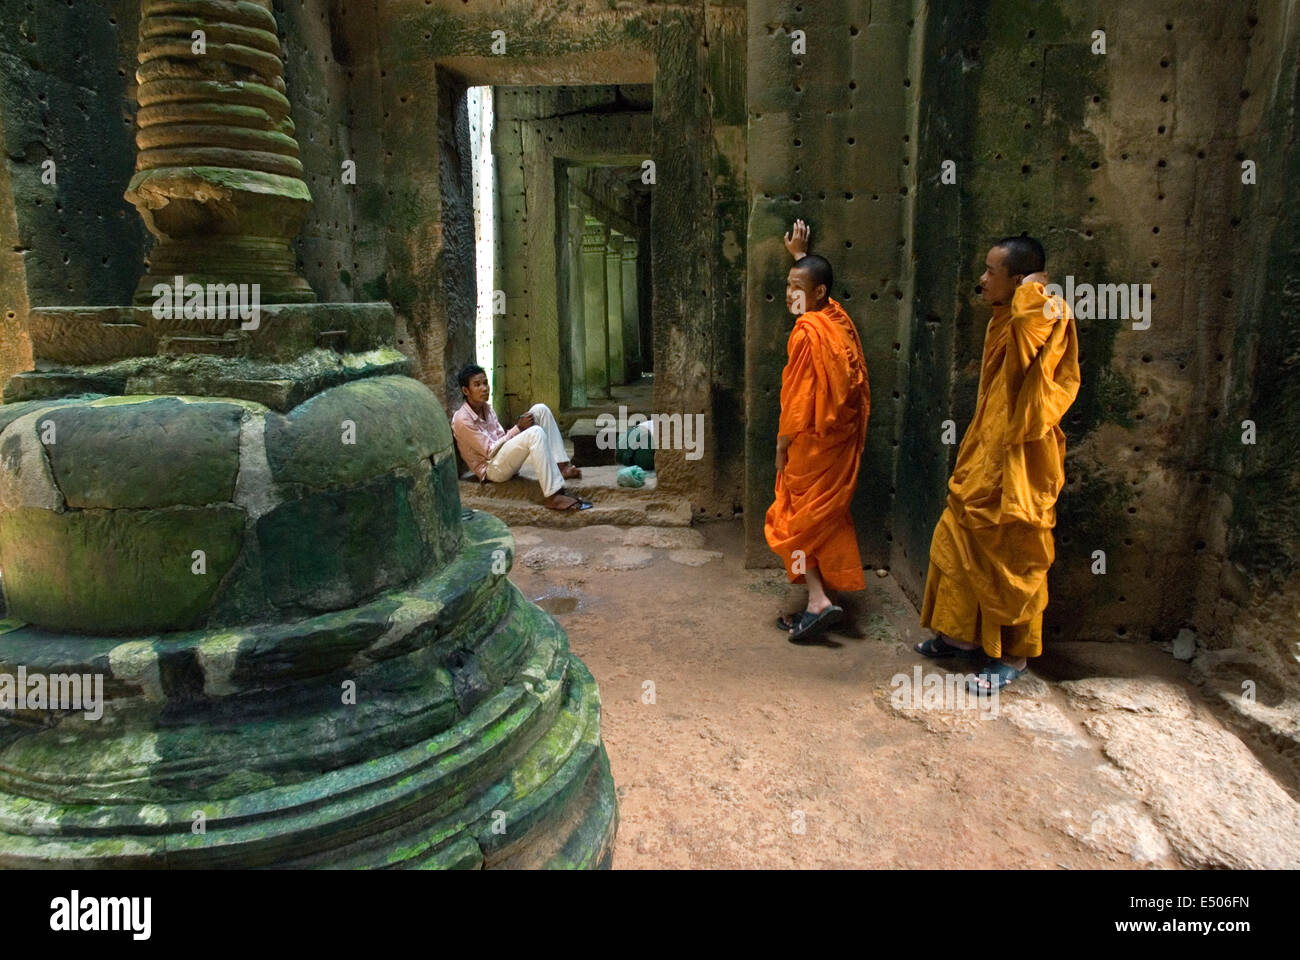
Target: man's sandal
(812,625)
(937,647)
(788,621)
(998,674)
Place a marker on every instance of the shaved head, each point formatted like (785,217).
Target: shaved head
(1025,255)
(819,270)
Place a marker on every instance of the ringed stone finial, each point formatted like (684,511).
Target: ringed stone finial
(218,179)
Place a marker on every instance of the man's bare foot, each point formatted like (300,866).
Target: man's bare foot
(561,501)
(569,472)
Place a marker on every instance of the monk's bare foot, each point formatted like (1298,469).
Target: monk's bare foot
(569,472)
(560,501)
(959,644)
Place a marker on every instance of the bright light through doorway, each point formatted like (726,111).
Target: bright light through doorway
(485,235)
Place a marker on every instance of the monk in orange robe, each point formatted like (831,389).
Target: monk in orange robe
(825,402)
(986,588)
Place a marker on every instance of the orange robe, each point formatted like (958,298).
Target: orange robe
(825,402)
(987,581)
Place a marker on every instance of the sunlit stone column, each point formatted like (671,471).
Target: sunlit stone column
(614,306)
(594,239)
(631,311)
(577,345)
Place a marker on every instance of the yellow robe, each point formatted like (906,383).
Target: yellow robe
(987,581)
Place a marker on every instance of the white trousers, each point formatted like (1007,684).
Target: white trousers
(533,453)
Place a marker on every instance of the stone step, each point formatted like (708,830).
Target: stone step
(661,511)
(217,346)
(519,501)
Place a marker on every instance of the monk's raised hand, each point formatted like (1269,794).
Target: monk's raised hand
(796,241)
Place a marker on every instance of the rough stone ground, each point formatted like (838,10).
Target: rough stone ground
(1108,756)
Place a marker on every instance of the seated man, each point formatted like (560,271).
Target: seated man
(532,448)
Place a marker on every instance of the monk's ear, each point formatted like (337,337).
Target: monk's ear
(821,292)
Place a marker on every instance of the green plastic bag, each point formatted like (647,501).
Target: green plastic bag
(632,476)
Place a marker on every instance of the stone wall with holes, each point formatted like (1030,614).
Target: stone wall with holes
(1128,166)
(331,70)
(67,118)
(829,94)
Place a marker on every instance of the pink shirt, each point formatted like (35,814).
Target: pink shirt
(477,437)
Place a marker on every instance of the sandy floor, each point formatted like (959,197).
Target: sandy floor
(733,748)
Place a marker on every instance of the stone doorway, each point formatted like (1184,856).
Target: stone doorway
(574,182)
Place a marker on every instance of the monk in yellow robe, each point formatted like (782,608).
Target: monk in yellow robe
(825,402)
(986,588)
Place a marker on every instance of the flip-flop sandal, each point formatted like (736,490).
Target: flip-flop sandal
(812,625)
(788,621)
(999,676)
(937,647)
(581,504)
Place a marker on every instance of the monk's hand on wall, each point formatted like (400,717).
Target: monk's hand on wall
(796,241)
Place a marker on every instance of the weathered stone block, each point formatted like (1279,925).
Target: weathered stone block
(330,549)
(112,571)
(119,453)
(395,422)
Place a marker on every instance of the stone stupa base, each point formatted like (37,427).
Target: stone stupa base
(309,656)
(474,739)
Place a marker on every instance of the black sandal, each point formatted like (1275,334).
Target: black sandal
(812,625)
(998,675)
(937,647)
